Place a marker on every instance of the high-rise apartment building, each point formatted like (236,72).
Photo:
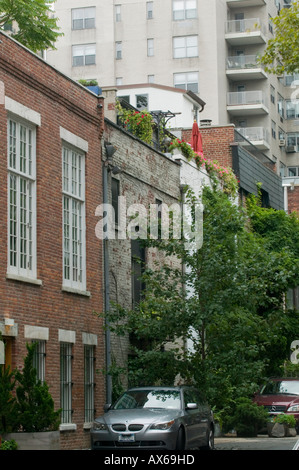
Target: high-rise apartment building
(209,47)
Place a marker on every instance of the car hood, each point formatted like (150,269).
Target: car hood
(140,416)
(279,399)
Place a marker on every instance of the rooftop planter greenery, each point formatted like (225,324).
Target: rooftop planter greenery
(138,123)
(217,173)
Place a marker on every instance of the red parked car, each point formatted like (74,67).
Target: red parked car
(280,395)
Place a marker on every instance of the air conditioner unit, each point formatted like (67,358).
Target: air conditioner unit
(282,143)
(290,149)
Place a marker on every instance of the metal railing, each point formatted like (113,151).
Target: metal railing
(242,62)
(254,134)
(249,25)
(246,98)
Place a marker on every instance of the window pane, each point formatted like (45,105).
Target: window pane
(191,42)
(21,197)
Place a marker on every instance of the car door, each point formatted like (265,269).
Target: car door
(204,416)
(192,418)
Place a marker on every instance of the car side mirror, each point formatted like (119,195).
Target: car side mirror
(191,406)
(107,407)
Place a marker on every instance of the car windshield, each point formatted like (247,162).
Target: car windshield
(278,387)
(169,399)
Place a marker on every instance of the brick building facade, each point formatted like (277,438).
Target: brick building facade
(51,261)
(141,176)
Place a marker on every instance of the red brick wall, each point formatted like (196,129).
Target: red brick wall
(216,142)
(293,199)
(60,102)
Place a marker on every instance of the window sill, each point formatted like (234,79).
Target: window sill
(68,427)
(28,280)
(72,290)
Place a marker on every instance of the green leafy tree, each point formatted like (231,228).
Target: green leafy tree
(282,52)
(227,303)
(36,28)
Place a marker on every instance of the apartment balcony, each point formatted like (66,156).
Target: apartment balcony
(244,67)
(247,103)
(245,32)
(245,3)
(257,136)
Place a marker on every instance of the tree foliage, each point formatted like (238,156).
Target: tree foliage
(220,322)
(282,52)
(36,28)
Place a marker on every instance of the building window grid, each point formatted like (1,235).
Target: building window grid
(185,47)
(83,18)
(118,13)
(73,219)
(149,10)
(66,382)
(186,81)
(118,50)
(89,383)
(292,109)
(184,9)
(293,140)
(84,55)
(150,47)
(21,198)
(293,171)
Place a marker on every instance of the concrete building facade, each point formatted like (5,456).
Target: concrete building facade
(210,48)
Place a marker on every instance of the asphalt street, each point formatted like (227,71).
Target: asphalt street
(262,442)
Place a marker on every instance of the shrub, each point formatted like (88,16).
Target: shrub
(25,402)
(247,417)
(9,445)
(288,420)
(35,406)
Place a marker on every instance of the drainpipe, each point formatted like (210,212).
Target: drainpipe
(110,150)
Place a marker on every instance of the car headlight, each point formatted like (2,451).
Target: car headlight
(97,426)
(293,408)
(162,426)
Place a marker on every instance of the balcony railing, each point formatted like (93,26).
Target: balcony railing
(254,134)
(250,25)
(240,98)
(242,62)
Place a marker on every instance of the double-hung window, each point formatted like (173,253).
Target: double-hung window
(83,55)
(73,186)
(187,81)
(21,198)
(83,18)
(185,46)
(184,9)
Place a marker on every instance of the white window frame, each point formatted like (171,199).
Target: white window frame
(118,50)
(184,9)
(83,52)
(149,10)
(150,47)
(185,79)
(21,164)
(73,207)
(83,15)
(185,47)
(118,13)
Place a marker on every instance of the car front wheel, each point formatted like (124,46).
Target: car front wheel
(210,440)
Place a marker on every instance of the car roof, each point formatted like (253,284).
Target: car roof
(283,378)
(167,387)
